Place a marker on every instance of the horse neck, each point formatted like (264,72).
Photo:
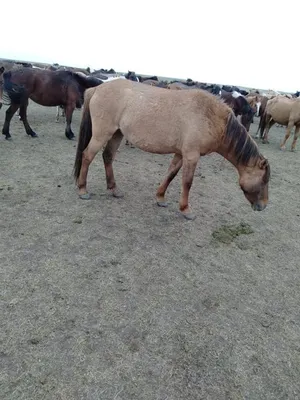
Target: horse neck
(238,147)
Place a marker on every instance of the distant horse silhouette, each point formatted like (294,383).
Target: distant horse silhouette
(187,123)
(1,85)
(44,87)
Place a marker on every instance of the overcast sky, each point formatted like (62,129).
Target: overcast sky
(252,43)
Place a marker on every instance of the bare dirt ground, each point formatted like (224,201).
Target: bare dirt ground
(119,299)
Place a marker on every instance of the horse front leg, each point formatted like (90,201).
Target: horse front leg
(173,169)
(8,116)
(23,117)
(190,161)
(108,155)
(296,135)
(69,112)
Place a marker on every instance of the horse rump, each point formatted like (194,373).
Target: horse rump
(12,92)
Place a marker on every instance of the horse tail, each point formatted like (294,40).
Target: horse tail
(85,131)
(262,123)
(12,93)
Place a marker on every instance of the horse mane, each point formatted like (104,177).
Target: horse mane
(240,142)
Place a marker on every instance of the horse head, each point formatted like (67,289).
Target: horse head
(254,182)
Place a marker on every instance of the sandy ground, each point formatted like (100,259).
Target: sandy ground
(117,299)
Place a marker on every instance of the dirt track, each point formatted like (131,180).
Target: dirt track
(119,299)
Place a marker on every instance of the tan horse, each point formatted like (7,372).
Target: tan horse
(283,111)
(187,123)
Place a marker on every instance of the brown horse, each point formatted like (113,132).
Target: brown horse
(188,123)
(47,88)
(285,112)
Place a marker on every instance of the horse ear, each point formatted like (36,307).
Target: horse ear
(263,163)
(1,70)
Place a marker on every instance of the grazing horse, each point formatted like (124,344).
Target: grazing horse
(285,112)
(240,106)
(187,123)
(1,85)
(47,88)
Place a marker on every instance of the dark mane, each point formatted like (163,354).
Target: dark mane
(267,175)
(239,142)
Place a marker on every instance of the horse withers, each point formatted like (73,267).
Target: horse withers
(44,87)
(187,123)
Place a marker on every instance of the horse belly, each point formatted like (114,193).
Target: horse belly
(280,113)
(151,142)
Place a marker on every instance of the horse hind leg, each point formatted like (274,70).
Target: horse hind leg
(108,155)
(173,169)
(269,124)
(23,115)
(69,109)
(96,143)
(287,134)
(8,116)
(190,161)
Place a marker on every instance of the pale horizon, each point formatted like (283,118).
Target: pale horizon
(212,42)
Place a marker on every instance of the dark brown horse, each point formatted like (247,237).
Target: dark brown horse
(240,106)
(44,87)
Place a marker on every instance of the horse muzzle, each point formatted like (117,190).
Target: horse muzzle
(258,206)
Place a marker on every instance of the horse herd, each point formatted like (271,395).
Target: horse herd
(187,123)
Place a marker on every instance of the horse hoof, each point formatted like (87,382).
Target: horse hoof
(188,215)
(282,148)
(34,135)
(117,193)
(85,196)
(293,150)
(70,136)
(8,138)
(162,204)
